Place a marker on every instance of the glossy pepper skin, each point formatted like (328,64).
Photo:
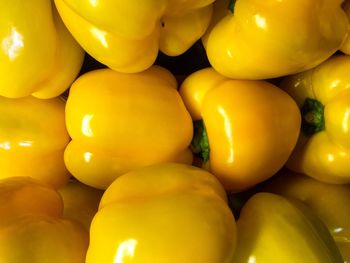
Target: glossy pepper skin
(126,36)
(255,39)
(163,213)
(323,94)
(33,137)
(38,56)
(32,229)
(327,201)
(251,126)
(273,229)
(119,122)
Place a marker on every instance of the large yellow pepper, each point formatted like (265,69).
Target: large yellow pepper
(38,56)
(329,202)
(119,122)
(126,35)
(273,229)
(33,137)
(323,94)
(250,128)
(32,229)
(254,39)
(163,213)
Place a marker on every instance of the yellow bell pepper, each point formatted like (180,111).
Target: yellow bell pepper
(327,201)
(33,137)
(80,202)
(163,213)
(32,229)
(38,56)
(323,94)
(250,127)
(273,229)
(119,122)
(126,36)
(254,39)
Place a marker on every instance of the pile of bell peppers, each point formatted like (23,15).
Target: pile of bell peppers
(171,131)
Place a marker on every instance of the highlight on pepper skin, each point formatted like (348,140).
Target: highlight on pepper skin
(322,93)
(33,137)
(244,130)
(253,39)
(274,229)
(327,201)
(163,213)
(119,122)
(127,35)
(38,56)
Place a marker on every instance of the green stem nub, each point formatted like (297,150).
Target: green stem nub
(312,113)
(231,5)
(200,143)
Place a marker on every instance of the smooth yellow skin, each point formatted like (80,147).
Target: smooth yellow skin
(119,122)
(33,137)
(127,36)
(80,202)
(163,213)
(324,155)
(38,56)
(252,126)
(272,229)
(267,39)
(327,201)
(32,229)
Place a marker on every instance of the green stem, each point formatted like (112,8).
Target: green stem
(200,143)
(312,113)
(231,5)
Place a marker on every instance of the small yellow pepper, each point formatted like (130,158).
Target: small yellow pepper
(254,39)
(323,94)
(32,229)
(163,213)
(38,56)
(33,137)
(250,127)
(273,229)
(329,202)
(126,35)
(119,122)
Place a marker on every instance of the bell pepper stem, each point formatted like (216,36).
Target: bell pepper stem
(200,143)
(231,5)
(312,113)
